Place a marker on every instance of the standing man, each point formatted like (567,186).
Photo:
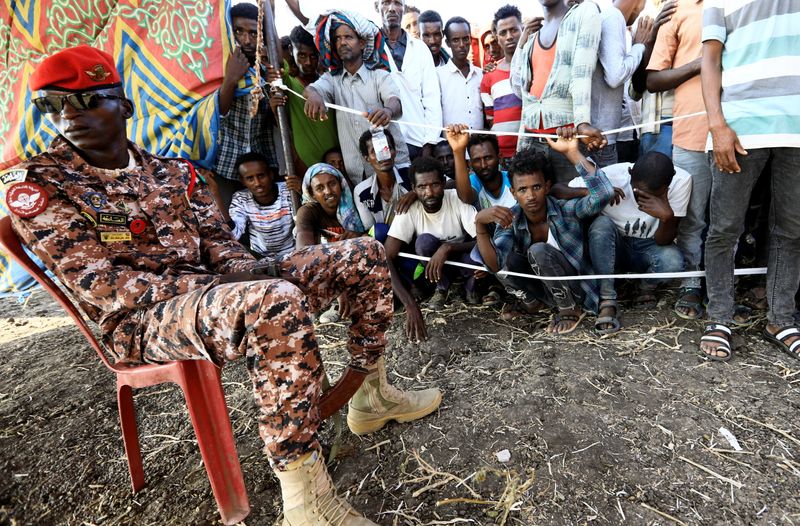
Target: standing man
(351,47)
(311,139)
(413,70)
(615,67)
(675,64)
(562,50)
(459,79)
(410,21)
(752,96)
(430,30)
(239,132)
(139,242)
(502,106)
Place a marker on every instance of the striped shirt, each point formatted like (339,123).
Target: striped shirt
(500,102)
(269,226)
(760,68)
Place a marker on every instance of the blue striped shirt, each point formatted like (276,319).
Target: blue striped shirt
(760,68)
(564,218)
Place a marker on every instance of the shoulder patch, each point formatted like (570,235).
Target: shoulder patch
(26,199)
(15,175)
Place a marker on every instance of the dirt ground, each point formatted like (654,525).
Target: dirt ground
(620,430)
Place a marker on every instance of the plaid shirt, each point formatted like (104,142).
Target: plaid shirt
(564,218)
(239,133)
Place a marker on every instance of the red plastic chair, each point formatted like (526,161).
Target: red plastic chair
(201,385)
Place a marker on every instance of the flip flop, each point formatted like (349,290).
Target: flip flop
(558,318)
(781,337)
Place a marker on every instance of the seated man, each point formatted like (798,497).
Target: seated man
(440,222)
(444,154)
(487,185)
(263,209)
(377,196)
(543,235)
(636,232)
(328,212)
(140,243)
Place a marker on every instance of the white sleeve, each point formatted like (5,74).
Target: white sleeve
(468,214)
(431,96)
(402,227)
(367,219)
(679,194)
(238,213)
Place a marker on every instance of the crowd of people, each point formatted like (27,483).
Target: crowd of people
(517,160)
(576,71)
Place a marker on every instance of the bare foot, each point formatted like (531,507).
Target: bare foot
(566,321)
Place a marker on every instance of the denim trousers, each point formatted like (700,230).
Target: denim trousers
(542,260)
(657,142)
(612,252)
(730,195)
(692,227)
(427,245)
(604,157)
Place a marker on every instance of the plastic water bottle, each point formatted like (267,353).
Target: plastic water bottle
(380,144)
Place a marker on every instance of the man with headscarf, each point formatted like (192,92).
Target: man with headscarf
(139,242)
(352,49)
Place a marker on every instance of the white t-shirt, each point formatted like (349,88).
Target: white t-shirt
(630,221)
(450,224)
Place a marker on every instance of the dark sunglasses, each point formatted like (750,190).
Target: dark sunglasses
(79,101)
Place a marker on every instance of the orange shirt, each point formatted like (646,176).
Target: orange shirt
(541,64)
(678,43)
(542,60)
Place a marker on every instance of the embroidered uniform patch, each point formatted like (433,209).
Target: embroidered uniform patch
(26,199)
(105,218)
(10,177)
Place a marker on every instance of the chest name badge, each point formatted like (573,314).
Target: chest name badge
(115,237)
(105,218)
(26,199)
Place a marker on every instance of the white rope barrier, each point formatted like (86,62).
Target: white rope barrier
(345,109)
(654,275)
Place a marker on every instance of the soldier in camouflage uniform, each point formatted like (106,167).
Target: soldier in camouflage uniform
(140,243)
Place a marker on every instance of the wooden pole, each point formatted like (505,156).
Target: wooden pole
(273,51)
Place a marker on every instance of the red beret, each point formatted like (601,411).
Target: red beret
(76,69)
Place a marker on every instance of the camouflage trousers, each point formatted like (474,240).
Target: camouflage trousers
(269,323)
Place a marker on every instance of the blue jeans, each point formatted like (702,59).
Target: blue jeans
(427,245)
(691,228)
(612,252)
(605,157)
(658,142)
(542,260)
(730,195)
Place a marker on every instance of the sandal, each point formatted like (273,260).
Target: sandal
(517,309)
(491,298)
(607,320)
(781,337)
(558,318)
(685,303)
(723,343)
(646,299)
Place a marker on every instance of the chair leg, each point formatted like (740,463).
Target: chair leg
(130,436)
(202,387)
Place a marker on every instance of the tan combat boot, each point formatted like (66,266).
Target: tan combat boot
(310,498)
(377,401)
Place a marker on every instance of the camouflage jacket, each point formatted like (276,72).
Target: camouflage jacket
(124,240)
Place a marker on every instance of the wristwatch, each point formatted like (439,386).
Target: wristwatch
(267,265)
